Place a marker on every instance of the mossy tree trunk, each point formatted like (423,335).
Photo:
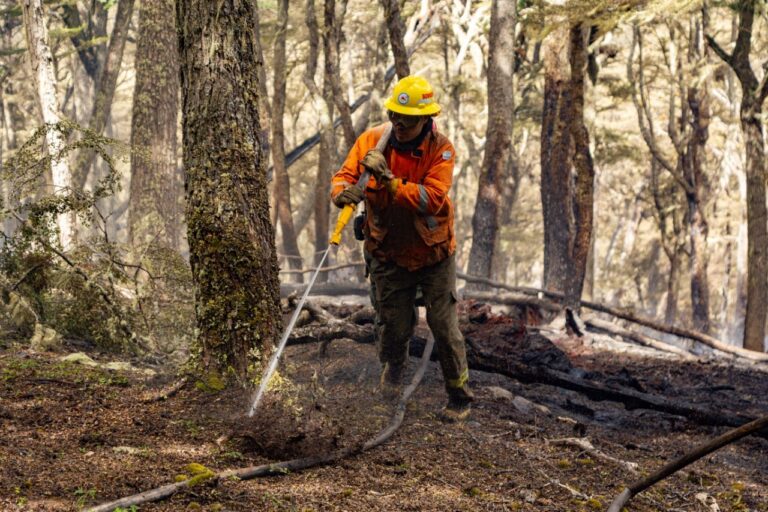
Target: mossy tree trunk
(155,207)
(231,239)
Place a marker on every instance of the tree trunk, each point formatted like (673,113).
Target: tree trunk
(757,238)
(155,200)
(105,89)
(697,224)
(232,246)
(282,180)
(498,145)
(396,29)
(566,202)
(332,44)
(697,183)
(585,169)
(673,289)
(753,96)
(41,61)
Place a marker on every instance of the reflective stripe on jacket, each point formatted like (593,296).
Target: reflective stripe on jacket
(414,227)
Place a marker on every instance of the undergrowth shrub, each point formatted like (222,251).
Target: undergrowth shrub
(99,294)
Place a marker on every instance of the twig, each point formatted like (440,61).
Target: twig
(167,393)
(584,444)
(555,482)
(25,276)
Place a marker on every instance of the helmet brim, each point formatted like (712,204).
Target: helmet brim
(431,109)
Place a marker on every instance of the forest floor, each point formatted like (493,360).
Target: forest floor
(73,436)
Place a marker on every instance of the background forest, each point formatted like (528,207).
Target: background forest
(656,146)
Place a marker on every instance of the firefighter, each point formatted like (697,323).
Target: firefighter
(409,236)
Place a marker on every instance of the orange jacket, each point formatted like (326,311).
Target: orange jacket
(414,226)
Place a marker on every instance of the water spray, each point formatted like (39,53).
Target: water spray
(344,217)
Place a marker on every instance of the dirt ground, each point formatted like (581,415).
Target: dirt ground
(73,436)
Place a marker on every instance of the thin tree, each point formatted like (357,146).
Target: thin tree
(753,94)
(396,30)
(231,239)
(41,61)
(87,36)
(498,137)
(282,181)
(567,171)
(155,205)
(687,129)
(105,88)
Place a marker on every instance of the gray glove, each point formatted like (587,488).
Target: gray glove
(375,162)
(350,195)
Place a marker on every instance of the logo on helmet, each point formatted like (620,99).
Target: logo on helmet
(403,98)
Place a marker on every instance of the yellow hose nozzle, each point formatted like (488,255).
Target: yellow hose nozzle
(343,220)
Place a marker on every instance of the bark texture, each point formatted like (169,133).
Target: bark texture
(41,61)
(155,208)
(753,97)
(232,246)
(498,145)
(567,170)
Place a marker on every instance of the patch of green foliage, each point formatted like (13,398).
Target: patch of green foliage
(84,496)
(91,292)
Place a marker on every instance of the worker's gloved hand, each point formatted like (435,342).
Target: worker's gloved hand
(375,162)
(350,195)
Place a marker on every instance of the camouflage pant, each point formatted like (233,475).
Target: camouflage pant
(393,290)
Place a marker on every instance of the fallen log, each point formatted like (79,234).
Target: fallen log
(597,325)
(625,315)
(536,372)
(597,391)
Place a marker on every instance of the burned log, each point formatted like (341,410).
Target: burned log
(508,348)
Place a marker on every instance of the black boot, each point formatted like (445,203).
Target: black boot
(459,404)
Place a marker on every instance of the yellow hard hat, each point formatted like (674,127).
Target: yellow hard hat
(413,96)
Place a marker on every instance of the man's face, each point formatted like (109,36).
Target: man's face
(406,128)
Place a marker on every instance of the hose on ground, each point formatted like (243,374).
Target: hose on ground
(284,467)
